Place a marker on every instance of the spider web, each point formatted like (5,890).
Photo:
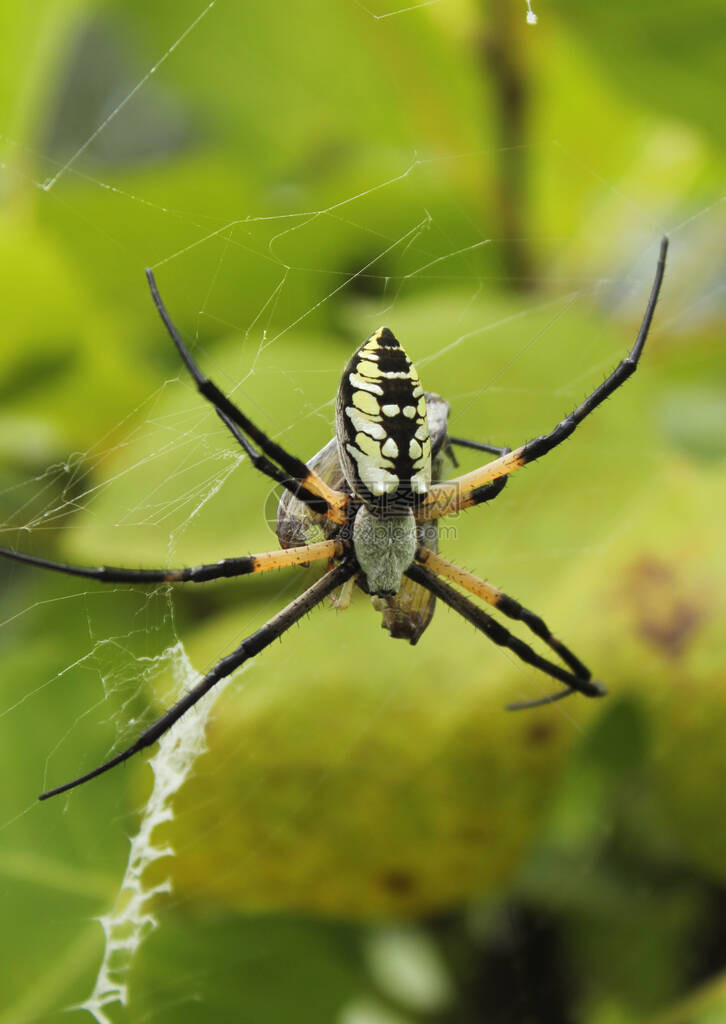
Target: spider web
(182,473)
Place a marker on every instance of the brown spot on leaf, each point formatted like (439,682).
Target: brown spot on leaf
(667,612)
(540,732)
(398,881)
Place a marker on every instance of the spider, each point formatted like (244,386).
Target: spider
(368,504)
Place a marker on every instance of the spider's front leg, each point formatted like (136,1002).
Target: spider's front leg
(285,468)
(471,488)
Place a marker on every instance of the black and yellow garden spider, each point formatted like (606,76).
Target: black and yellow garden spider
(368,504)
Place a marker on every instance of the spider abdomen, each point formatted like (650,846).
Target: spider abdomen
(382,429)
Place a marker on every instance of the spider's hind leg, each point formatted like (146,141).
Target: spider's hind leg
(505,604)
(578,679)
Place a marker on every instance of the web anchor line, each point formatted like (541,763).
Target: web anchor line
(50,182)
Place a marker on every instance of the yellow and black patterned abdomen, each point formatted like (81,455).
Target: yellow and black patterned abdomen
(382,430)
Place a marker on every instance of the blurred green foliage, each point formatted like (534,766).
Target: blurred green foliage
(296,174)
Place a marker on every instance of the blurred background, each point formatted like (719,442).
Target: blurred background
(369,838)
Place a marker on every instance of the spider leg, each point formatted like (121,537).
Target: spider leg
(479,446)
(470,489)
(504,603)
(315,503)
(501,636)
(296,468)
(249,647)
(488,491)
(225,568)
(540,702)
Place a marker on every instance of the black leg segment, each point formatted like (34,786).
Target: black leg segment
(225,568)
(539,446)
(514,610)
(488,491)
(230,414)
(255,643)
(479,446)
(499,635)
(264,465)
(112,574)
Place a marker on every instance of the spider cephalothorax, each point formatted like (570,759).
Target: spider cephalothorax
(368,504)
